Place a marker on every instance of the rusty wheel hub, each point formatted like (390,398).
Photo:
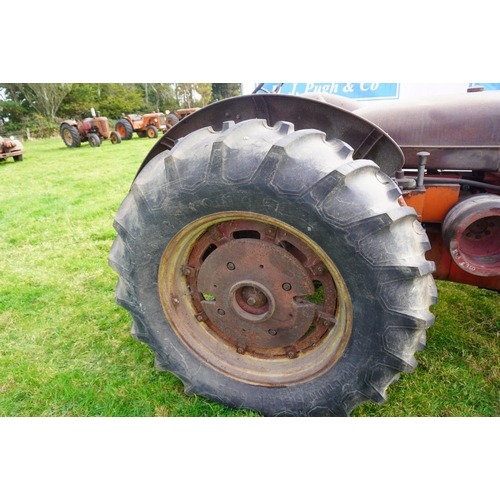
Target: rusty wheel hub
(258,287)
(253,291)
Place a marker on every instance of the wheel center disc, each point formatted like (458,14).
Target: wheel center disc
(257,289)
(255,298)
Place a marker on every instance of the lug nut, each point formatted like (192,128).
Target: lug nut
(221,312)
(231,266)
(272,332)
(287,287)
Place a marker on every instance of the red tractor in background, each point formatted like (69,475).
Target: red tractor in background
(279,252)
(94,130)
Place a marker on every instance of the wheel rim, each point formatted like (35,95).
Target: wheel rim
(151,133)
(68,138)
(237,290)
(121,130)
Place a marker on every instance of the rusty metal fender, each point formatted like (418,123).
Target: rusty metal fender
(367,139)
(72,123)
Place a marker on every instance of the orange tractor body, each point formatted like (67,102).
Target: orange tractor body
(146,125)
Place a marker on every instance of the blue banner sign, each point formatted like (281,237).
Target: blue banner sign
(359,91)
(487,86)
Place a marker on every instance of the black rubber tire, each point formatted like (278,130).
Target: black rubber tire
(115,137)
(151,131)
(349,209)
(18,158)
(70,136)
(171,120)
(94,141)
(124,128)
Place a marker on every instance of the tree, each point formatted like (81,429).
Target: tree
(191,95)
(79,100)
(224,90)
(15,110)
(45,97)
(118,98)
(158,96)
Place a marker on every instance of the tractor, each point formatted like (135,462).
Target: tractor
(94,130)
(11,148)
(146,125)
(175,117)
(279,252)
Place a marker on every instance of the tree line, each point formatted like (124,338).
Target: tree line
(41,107)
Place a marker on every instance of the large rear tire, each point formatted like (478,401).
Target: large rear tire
(70,136)
(124,128)
(171,119)
(268,270)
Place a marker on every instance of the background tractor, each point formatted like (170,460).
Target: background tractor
(11,148)
(281,256)
(174,117)
(146,125)
(94,130)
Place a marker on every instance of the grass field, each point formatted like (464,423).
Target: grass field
(65,347)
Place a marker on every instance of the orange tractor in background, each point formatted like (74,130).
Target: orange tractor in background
(150,124)
(176,116)
(146,125)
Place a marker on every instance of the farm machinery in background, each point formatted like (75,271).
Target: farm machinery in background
(11,148)
(279,252)
(149,125)
(175,117)
(146,125)
(93,130)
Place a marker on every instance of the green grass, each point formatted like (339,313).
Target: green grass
(65,346)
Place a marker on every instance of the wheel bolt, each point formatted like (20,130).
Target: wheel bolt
(221,312)
(231,266)
(287,287)
(240,350)
(272,332)
(251,301)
